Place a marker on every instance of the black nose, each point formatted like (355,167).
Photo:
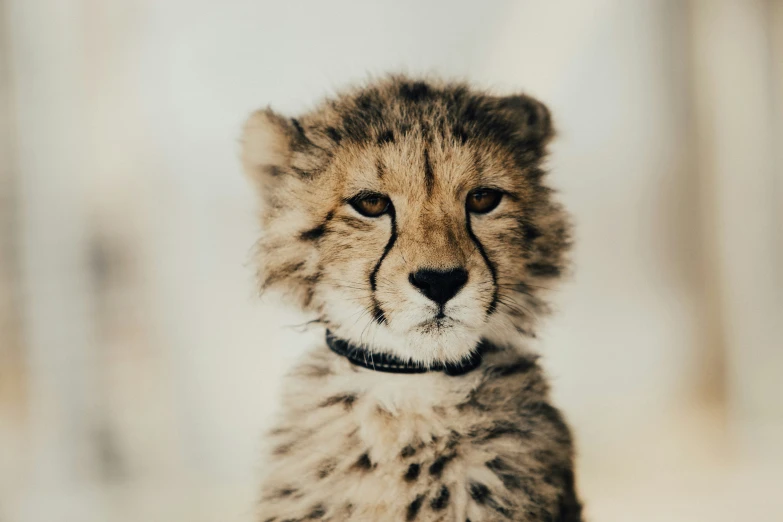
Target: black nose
(439,285)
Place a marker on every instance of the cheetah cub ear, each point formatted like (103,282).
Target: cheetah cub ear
(266,148)
(530,117)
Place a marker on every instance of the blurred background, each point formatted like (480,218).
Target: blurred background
(138,367)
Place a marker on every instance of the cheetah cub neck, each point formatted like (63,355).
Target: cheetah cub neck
(412,218)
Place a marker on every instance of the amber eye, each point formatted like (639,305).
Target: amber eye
(370,205)
(484,200)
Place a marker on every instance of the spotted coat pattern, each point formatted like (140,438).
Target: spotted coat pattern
(358,445)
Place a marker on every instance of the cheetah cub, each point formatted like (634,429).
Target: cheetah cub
(411,217)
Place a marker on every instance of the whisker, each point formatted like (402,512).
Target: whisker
(514,306)
(303,327)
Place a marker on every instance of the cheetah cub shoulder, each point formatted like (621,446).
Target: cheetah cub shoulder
(412,218)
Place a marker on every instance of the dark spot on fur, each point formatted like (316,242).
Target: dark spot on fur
(364,463)
(297,125)
(317,512)
(408,451)
(282,273)
(523,288)
(482,496)
(285,492)
(313,233)
(366,100)
(505,473)
(525,332)
(442,500)
(311,281)
(309,295)
(453,440)
(412,473)
(543,270)
(460,134)
(386,137)
(316,233)
(305,174)
(436,469)
(333,134)
(479,492)
(355,127)
(283,449)
(381,168)
(346,400)
(326,468)
(530,232)
(500,509)
(273,170)
(300,141)
(413,508)
(415,91)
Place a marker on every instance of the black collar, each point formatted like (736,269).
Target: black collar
(382,362)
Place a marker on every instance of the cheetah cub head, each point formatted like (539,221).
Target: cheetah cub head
(410,216)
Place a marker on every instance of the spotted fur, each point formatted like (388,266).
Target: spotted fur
(358,445)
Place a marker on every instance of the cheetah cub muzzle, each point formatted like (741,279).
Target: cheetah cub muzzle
(412,219)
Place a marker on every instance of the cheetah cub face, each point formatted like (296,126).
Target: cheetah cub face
(410,216)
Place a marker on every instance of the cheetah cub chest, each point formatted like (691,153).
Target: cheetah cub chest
(412,219)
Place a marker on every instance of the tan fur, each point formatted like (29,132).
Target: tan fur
(351,440)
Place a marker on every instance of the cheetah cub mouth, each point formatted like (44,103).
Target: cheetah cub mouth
(411,217)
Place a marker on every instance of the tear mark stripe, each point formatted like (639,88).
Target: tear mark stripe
(386,250)
(492,270)
(377,310)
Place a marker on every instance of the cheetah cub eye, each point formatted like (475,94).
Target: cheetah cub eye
(483,200)
(370,204)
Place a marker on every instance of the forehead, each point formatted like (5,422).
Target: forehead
(421,168)
(419,139)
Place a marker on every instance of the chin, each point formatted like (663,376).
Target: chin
(440,340)
(413,333)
